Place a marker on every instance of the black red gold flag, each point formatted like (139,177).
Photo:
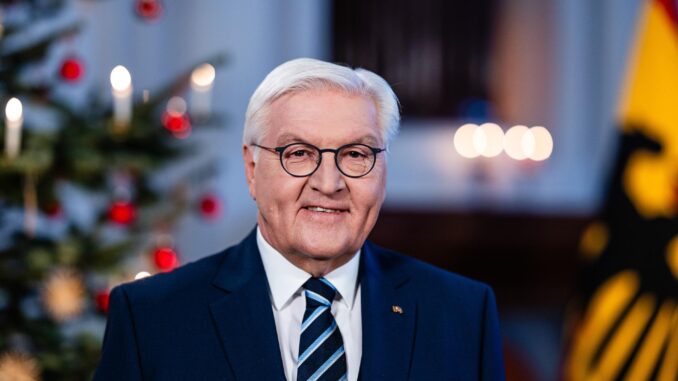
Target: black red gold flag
(627,328)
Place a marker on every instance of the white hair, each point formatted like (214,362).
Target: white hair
(308,74)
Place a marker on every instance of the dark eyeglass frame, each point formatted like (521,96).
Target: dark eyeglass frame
(282,149)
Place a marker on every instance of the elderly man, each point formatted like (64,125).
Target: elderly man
(305,296)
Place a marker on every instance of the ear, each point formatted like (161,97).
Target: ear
(248,158)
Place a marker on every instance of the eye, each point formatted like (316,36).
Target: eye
(356,154)
(299,153)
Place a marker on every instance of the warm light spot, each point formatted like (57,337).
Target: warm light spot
(121,80)
(203,76)
(493,139)
(514,143)
(465,140)
(141,275)
(672,256)
(14,110)
(543,144)
(528,142)
(19,366)
(479,140)
(593,240)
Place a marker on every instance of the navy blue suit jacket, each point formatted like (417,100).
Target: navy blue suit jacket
(212,320)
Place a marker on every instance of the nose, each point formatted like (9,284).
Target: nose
(327,179)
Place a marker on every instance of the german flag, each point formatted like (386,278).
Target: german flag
(627,326)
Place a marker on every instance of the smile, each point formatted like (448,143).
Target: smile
(323,210)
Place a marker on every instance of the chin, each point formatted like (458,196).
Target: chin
(325,246)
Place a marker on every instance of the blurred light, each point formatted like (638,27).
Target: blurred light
(203,76)
(141,275)
(122,212)
(514,144)
(465,140)
(175,118)
(166,259)
(493,139)
(13,110)
(121,80)
(543,143)
(528,143)
(176,106)
(479,140)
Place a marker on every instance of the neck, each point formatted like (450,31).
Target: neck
(318,265)
(317,268)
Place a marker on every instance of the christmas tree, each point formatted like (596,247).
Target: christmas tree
(56,266)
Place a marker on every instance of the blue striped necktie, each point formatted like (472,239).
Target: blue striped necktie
(321,348)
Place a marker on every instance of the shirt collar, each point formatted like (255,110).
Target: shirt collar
(285,279)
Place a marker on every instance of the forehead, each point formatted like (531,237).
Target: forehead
(325,117)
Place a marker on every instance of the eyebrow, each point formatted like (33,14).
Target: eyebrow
(369,140)
(289,137)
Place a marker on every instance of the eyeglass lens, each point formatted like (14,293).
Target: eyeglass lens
(353,160)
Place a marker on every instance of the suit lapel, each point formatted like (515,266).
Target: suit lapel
(388,316)
(243,316)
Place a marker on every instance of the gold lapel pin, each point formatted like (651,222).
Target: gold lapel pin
(397,310)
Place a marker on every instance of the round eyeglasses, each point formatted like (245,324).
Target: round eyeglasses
(302,159)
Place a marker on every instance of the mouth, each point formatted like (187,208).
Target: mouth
(321,209)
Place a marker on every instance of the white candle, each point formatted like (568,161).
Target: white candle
(121,84)
(13,121)
(202,80)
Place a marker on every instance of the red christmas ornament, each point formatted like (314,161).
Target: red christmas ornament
(71,69)
(102,299)
(178,124)
(122,213)
(210,206)
(53,210)
(149,10)
(166,258)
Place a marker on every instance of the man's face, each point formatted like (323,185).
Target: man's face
(327,119)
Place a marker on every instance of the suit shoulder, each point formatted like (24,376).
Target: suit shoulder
(189,278)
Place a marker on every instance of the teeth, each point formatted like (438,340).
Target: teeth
(319,209)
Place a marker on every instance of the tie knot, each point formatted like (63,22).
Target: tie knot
(320,290)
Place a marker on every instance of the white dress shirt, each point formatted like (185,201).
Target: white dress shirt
(288,303)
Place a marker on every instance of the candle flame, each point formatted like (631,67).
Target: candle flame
(203,75)
(121,80)
(14,110)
